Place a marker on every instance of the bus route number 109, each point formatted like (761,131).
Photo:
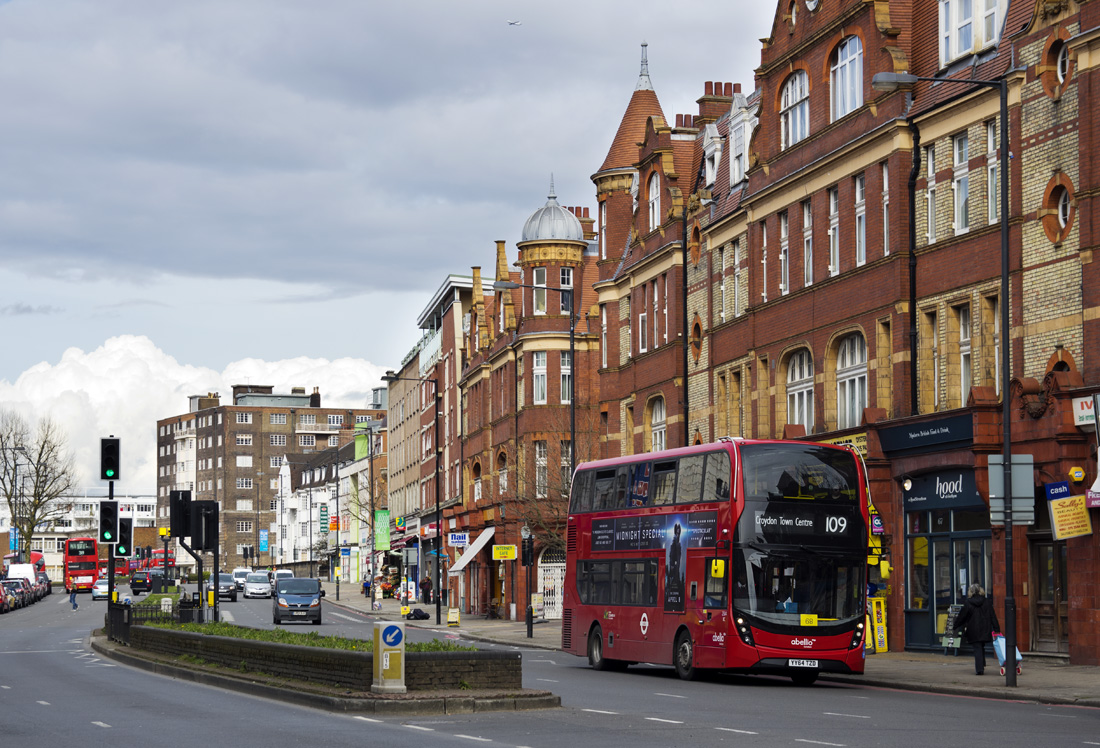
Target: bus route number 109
(836,524)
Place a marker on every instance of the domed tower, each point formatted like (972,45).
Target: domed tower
(551,254)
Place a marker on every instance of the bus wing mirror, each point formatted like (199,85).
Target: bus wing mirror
(718,568)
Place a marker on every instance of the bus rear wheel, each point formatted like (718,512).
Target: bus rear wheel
(683,657)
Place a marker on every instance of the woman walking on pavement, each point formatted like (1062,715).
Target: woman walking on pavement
(980,621)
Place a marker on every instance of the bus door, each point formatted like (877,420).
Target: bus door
(637,623)
(708,602)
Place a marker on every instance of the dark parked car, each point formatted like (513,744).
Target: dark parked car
(140,582)
(227,587)
(44,578)
(296,599)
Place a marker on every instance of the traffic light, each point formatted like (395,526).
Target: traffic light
(179,514)
(148,552)
(108,521)
(125,537)
(528,551)
(108,459)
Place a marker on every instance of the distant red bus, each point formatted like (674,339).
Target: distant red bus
(157,561)
(739,555)
(80,563)
(122,567)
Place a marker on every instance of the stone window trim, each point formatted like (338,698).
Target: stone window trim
(1057,64)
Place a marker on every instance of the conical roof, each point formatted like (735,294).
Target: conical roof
(643,105)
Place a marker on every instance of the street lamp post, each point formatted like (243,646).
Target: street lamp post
(389,377)
(17,503)
(503,285)
(370,478)
(891,82)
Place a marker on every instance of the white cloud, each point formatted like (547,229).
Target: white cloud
(123,387)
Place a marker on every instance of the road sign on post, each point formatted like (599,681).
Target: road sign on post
(1023,490)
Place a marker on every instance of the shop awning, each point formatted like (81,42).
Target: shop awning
(471,552)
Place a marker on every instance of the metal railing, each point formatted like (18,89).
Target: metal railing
(120,617)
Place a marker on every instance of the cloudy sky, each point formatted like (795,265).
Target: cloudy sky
(198,194)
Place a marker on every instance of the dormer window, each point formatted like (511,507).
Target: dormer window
(794,114)
(737,157)
(967,26)
(712,153)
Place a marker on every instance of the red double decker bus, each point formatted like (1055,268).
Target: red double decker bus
(81,563)
(743,555)
(156,561)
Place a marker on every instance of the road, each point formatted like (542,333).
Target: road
(52,686)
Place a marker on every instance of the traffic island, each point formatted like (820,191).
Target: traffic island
(439,682)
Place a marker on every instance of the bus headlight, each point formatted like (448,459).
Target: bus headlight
(857,636)
(744,631)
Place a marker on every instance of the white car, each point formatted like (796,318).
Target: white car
(100,590)
(240,574)
(257,585)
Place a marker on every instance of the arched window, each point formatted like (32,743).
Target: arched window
(657,424)
(846,77)
(654,195)
(851,381)
(476,474)
(502,473)
(800,390)
(794,111)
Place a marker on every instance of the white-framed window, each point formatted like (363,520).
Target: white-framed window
(1062,69)
(335,420)
(277,419)
(603,230)
(885,209)
(242,461)
(244,440)
(244,483)
(996,314)
(654,195)
(934,356)
(361,418)
(275,461)
(539,276)
(964,353)
(643,330)
(794,112)
(303,528)
(307,440)
(851,381)
(566,276)
(930,193)
(784,255)
(477,489)
(861,219)
(657,425)
(1064,205)
(846,77)
(737,157)
(653,316)
(244,417)
(721,284)
(244,505)
(737,278)
(665,304)
(307,419)
(542,471)
(764,260)
(629,328)
(566,473)
(277,440)
(992,157)
(538,370)
(245,526)
(566,377)
(800,390)
(960,182)
(603,336)
(956,29)
(807,244)
(834,231)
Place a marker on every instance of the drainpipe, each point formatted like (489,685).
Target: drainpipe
(913,268)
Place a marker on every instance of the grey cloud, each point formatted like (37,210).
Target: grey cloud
(20,309)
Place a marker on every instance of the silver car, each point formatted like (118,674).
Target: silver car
(257,585)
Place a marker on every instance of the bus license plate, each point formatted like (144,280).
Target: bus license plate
(802,663)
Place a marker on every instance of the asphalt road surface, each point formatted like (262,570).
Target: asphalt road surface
(55,691)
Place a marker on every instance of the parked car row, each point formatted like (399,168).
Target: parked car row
(19,592)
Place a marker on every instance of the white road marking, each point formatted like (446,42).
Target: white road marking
(43,703)
(1087,742)
(598,711)
(368,719)
(343,617)
(226,616)
(473,737)
(670,695)
(420,727)
(739,732)
(819,742)
(550,661)
(6,688)
(546,680)
(669,721)
(838,714)
(35,651)
(101,724)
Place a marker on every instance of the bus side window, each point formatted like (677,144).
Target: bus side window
(714,591)
(604,490)
(690,479)
(619,495)
(716,487)
(582,492)
(663,489)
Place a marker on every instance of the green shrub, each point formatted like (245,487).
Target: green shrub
(311,639)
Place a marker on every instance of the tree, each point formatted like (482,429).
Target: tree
(37,473)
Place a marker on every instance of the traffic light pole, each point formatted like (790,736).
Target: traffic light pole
(111,551)
(198,562)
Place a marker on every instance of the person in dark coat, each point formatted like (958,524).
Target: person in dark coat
(979,621)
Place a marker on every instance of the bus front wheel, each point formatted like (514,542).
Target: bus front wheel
(595,650)
(683,657)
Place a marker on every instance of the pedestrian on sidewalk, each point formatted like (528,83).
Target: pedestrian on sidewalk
(72,593)
(980,621)
(426,588)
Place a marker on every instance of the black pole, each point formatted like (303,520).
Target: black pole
(913,368)
(573,368)
(165,560)
(111,550)
(198,562)
(370,562)
(214,573)
(337,561)
(1006,402)
(438,516)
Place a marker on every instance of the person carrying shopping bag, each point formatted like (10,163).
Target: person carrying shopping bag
(979,621)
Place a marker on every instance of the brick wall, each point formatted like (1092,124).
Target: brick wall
(423,670)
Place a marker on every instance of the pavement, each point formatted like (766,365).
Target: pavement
(1046,680)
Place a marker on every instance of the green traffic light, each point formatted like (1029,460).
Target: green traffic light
(107,535)
(110,473)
